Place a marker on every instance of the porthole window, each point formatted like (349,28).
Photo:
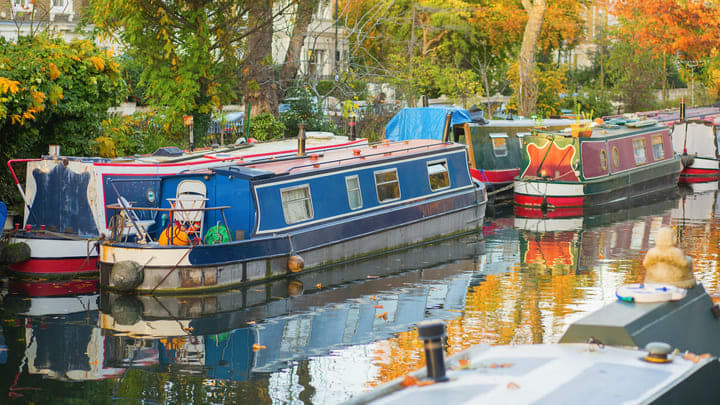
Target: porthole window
(616,157)
(603,159)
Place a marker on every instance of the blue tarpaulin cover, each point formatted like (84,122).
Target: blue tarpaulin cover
(423,122)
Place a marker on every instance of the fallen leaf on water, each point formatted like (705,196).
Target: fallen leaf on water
(257,347)
(318,285)
(383,316)
(377,306)
(513,386)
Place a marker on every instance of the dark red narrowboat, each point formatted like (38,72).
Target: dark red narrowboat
(603,166)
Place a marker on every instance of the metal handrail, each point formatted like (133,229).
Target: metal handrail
(364,156)
(222,209)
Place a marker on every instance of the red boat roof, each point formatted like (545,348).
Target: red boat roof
(325,159)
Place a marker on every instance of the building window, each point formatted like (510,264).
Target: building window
(639,151)
(22,5)
(657,147)
(438,175)
(297,204)
(352,183)
(387,184)
(499,142)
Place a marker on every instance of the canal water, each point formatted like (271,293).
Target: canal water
(322,337)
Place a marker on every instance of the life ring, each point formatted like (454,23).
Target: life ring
(649,293)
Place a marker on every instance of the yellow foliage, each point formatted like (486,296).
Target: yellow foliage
(8,85)
(16,118)
(37,96)
(98,63)
(106,147)
(54,71)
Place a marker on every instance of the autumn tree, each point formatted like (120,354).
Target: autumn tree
(527,88)
(672,29)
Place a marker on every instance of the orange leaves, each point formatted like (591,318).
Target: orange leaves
(409,381)
(670,26)
(383,316)
(54,71)
(696,357)
(7,85)
(257,347)
(97,62)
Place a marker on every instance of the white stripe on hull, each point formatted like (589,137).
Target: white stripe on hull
(159,257)
(547,189)
(704,164)
(58,248)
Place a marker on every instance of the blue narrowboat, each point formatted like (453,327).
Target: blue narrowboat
(250,222)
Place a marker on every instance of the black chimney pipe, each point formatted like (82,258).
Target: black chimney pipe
(432,333)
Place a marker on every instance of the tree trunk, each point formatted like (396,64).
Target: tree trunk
(303,17)
(260,87)
(528,93)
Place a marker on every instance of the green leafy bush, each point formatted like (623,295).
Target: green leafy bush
(142,132)
(265,127)
(53,92)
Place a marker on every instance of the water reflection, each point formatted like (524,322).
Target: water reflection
(322,337)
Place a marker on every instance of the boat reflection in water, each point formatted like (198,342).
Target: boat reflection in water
(261,328)
(579,244)
(257,329)
(60,329)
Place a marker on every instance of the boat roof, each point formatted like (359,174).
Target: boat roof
(548,374)
(525,122)
(612,129)
(326,159)
(260,150)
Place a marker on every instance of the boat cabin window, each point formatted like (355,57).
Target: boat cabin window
(438,175)
(657,147)
(639,151)
(499,142)
(388,187)
(353,191)
(296,203)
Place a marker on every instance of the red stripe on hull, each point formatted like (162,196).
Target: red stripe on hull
(495,176)
(692,175)
(552,202)
(51,289)
(55,267)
